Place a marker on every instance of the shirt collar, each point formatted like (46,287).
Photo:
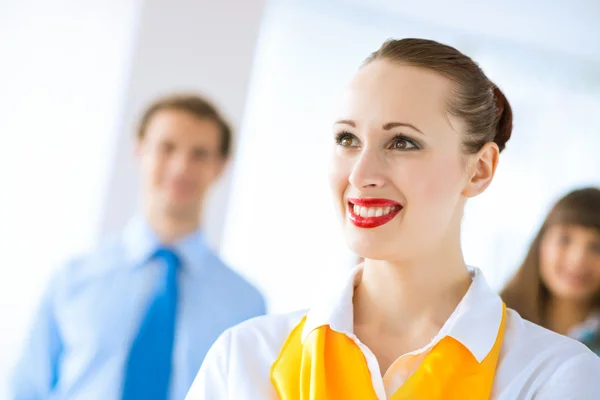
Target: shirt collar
(474,323)
(589,327)
(141,242)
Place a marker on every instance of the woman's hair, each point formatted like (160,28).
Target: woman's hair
(475,98)
(526,292)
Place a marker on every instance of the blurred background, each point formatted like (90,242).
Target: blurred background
(75,75)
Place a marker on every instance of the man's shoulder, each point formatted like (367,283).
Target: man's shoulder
(235,282)
(89,264)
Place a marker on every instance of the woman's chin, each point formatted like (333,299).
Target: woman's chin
(372,249)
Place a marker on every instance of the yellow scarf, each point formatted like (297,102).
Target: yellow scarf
(330,366)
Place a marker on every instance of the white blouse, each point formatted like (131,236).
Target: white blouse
(534,363)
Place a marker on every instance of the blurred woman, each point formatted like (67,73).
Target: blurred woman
(558,284)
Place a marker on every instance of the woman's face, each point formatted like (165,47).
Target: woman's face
(399,175)
(570,262)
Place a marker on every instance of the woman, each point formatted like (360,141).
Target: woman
(419,132)
(558,284)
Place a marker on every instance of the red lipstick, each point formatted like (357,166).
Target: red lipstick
(372,212)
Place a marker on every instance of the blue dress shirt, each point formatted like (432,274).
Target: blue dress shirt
(92,310)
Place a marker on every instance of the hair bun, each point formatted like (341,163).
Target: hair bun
(505,119)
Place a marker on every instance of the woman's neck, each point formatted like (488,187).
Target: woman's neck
(408,296)
(562,315)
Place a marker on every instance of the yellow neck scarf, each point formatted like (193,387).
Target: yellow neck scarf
(330,366)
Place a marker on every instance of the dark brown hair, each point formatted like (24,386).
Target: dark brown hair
(197,106)
(476,99)
(526,292)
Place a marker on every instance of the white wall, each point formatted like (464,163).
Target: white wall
(281,227)
(62,71)
(566,27)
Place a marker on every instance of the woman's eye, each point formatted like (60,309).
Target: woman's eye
(401,143)
(564,239)
(347,140)
(166,147)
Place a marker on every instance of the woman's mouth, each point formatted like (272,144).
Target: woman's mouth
(576,279)
(372,212)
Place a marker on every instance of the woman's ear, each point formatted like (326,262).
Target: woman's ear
(481,169)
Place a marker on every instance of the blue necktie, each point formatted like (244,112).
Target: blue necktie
(148,368)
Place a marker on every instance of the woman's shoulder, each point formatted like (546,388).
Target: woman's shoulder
(268,329)
(536,360)
(257,338)
(524,336)
(239,362)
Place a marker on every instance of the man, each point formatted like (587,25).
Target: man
(134,318)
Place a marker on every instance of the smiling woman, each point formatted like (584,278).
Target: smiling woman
(418,133)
